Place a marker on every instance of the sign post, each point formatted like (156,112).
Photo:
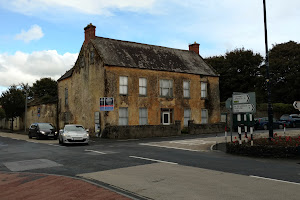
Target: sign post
(244,104)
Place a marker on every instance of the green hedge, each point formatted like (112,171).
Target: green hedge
(278,108)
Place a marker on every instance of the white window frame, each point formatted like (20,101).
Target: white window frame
(143,116)
(204,116)
(143,86)
(203,89)
(123,85)
(186,116)
(166,85)
(186,89)
(123,116)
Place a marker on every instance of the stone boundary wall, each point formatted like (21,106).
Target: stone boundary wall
(141,131)
(194,129)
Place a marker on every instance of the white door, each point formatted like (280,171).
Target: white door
(166,118)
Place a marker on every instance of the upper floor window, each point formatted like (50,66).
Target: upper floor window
(123,85)
(204,116)
(92,57)
(186,89)
(166,88)
(143,86)
(123,116)
(187,116)
(203,89)
(66,97)
(143,116)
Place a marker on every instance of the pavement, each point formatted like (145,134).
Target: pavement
(23,185)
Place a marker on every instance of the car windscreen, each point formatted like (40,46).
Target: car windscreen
(74,128)
(46,126)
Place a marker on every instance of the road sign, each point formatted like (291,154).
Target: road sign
(296,105)
(244,108)
(228,103)
(240,98)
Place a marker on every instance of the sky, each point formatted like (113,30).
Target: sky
(42,38)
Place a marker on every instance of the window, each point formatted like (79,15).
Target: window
(186,89)
(92,57)
(143,86)
(187,116)
(166,88)
(203,90)
(123,116)
(143,116)
(66,97)
(123,85)
(204,116)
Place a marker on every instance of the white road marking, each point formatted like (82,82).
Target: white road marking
(192,142)
(95,151)
(271,179)
(161,161)
(156,145)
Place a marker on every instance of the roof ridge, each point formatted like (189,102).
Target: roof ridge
(142,44)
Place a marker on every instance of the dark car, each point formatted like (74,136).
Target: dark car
(292,120)
(42,130)
(263,123)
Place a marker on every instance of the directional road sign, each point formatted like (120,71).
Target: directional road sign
(240,98)
(244,108)
(296,105)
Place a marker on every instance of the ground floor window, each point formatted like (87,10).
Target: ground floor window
(166,116)
(123,116)
(143,116)
(187,116)
(204,116)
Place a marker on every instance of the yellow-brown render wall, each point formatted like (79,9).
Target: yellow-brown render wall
(153,102)
(85,87)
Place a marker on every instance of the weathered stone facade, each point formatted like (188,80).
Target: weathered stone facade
(96,75)
(48,114)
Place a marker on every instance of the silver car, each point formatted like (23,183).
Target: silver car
(73,133)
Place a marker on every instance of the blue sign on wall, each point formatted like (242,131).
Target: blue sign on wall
(106,104)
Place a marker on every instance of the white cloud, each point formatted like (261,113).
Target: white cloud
(27,68)
(34,33)
(95,7)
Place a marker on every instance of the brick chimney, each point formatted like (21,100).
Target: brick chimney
(194,47)
(89,33)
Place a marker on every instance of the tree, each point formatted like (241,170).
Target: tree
(239,70)
(13,102)
(2,113)
(284,62)
(45,89)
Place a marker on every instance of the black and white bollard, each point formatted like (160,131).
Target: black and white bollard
(240,134)
(246,136)
(251,132)
(284,129)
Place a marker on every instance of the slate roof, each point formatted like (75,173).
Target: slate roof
(143,56)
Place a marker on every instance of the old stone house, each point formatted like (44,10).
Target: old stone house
(150,85)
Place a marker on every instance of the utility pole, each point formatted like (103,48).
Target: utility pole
(270,108)
(25,117)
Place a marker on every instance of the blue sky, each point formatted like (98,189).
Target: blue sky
(42,38)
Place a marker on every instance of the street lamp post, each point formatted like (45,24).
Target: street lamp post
(270,109)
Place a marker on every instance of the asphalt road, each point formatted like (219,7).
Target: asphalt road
(165,168)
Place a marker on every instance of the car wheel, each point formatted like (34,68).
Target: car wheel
(38,137)
(59,141)
(280,126)
(265,127)
(29,136)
